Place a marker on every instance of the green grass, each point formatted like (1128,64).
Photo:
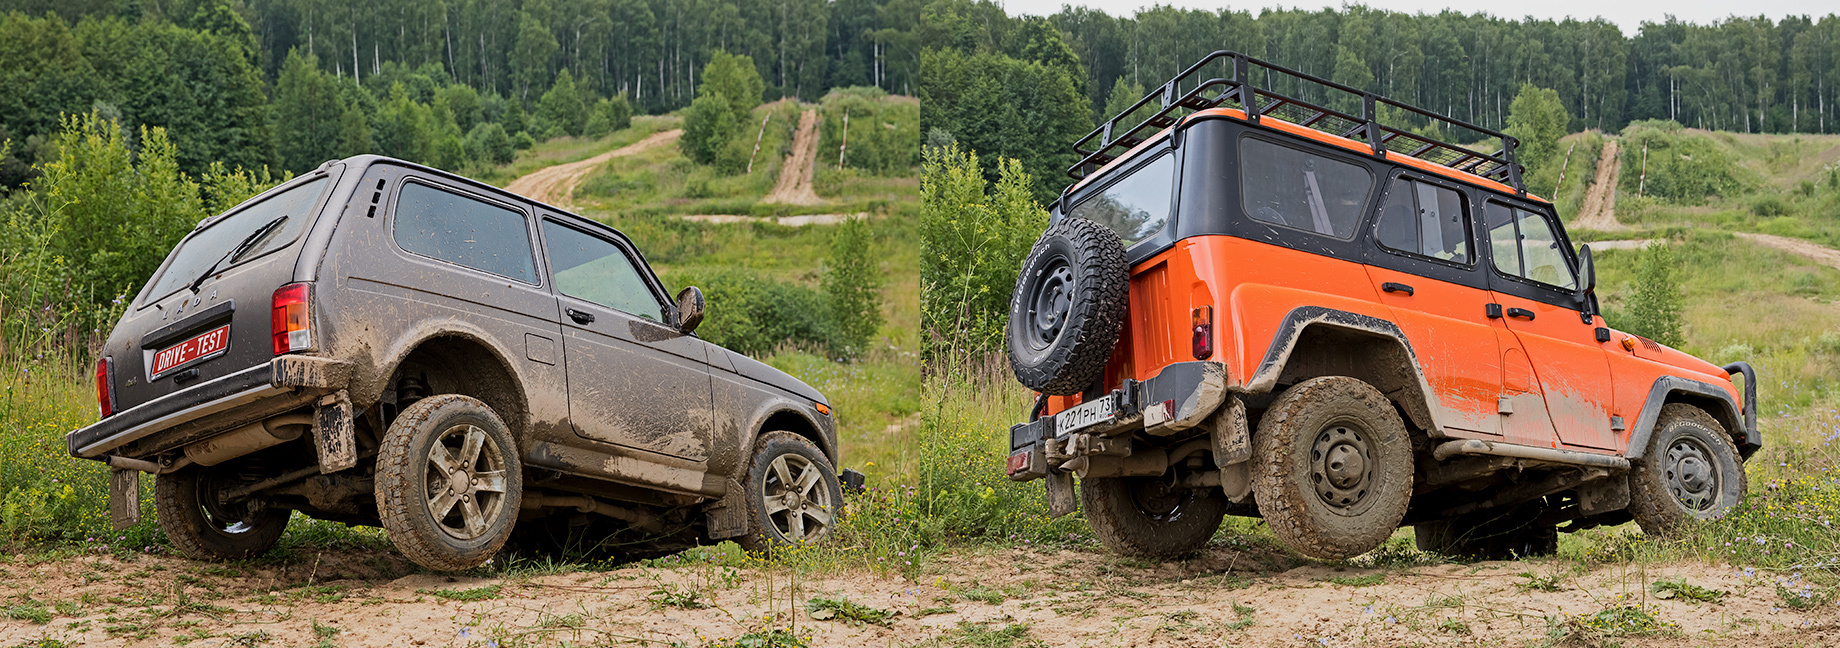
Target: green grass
(486,593)
(849,611)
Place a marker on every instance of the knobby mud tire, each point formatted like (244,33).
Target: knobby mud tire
(1084,263)
(764,535)
(1116,509)
(1651,502)
(402,467)
(190,529)
(1282,468)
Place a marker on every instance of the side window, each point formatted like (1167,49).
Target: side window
(593,269)
(1424,219)
(1525,245)
(464,231)
(1136,207)
(1288,187)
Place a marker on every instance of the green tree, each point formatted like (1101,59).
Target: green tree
(1004,108)
(562,106)
(530,57)
(354,136)
(972,244)
(404,128)
(734,78)
(1654,311)
(1124,93)
(308,114)
(708,124)
(1537,119)
(852,285)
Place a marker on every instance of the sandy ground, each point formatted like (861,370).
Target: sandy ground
(1599,212)
(1226,596)
(554,184)
(794,185)
(1819,253)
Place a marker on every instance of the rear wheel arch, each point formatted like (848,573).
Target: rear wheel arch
(461,362)
(1314,341)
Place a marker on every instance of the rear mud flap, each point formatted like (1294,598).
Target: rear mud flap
(124,497)
(1061,499)
(333,435)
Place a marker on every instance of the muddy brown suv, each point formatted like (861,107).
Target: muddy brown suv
(382,343)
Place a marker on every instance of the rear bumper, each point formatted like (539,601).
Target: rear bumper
(1177,398)
(284,381)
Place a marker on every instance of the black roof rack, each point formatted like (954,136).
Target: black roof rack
(1173,102)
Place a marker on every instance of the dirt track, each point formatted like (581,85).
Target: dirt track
(1243,597)
(554,184)
(1599,212)
(1819,253)
(794,185)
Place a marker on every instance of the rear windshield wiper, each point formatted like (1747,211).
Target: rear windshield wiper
(237,252)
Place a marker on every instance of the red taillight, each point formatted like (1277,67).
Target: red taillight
(1204,332)
(290,323)
(105,392)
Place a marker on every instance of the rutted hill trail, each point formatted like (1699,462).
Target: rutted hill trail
(554,184)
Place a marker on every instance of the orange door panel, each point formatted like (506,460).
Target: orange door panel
(1521,407)
(1455,344)
(1574,375)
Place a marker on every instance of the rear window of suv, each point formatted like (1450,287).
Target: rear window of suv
(1137,206)
(464,231)
(197,253)
(1287,187)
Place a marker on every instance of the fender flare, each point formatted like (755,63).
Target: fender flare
(1666,387)
(757,425)
(1304,318)
(369,391)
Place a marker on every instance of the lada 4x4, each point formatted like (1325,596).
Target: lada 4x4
(1278,296)
(382,343)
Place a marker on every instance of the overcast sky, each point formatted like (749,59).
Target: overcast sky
(1628,14)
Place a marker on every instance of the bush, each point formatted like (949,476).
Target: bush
(754,315)
(883,135)
(563,106)
(971,247)
(488,144)
(708,124)
(523,141)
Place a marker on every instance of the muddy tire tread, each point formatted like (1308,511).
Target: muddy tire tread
(172,506)
(398,498)
(757,540)
(1121,527)
(1284,506)
(1097,312)
(1650,503)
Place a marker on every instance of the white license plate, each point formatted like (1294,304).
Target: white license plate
(1084,415)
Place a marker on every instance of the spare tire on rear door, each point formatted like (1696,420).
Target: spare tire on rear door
(1068,307)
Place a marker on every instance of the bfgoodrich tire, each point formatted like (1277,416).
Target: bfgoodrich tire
(204,528)
(1145,517)
(1332,468)
(1690,472)
(792,493)
(1068,307)
(448,482)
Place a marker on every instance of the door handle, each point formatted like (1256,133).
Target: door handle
(1393,286)
(581,317)
(1521,313)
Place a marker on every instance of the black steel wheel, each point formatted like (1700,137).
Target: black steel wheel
(1151,517)
(1332,467)
(1690,472)
(1068,307)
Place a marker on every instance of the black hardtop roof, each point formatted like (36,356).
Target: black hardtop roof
(1193,91)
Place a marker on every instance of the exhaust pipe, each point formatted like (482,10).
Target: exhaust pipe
(249,438)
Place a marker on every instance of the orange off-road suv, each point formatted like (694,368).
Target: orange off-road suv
(1284,297)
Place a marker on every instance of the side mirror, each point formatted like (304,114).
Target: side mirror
(1587,272)
(689,310)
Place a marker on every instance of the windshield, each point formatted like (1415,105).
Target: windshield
(199,251)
